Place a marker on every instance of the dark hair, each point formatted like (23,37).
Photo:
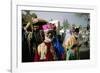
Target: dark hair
(74,46)
(77,30)
(34,15)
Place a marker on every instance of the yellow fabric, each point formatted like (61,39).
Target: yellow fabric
(70,42)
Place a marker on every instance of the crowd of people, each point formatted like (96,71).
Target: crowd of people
(41,42)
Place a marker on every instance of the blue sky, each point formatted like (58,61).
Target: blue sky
(72,18)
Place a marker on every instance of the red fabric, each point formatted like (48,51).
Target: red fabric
(49,55)
(62,56)
(36,57)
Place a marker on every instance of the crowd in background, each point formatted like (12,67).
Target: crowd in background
(42,42)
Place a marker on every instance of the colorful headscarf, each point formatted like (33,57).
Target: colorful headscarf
(48,26)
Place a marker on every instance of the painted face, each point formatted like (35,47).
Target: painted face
(49,36)
(49,32)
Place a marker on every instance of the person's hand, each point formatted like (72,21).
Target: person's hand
(34,20)
(25,28)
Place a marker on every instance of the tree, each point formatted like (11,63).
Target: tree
(65,24)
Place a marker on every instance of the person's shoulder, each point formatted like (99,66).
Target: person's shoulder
(71,36)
